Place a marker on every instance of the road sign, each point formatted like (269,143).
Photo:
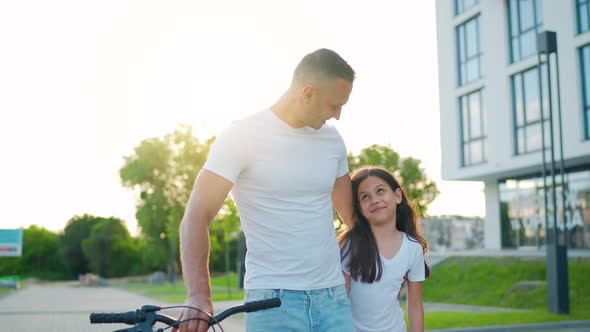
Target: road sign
(11,242)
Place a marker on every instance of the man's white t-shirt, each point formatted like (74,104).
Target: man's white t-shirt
(283,179)
(375,306)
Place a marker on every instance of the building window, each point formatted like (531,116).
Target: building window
(585,68)
(473,134)
(522,210)
(463,5)
(526,21)
(469,49)
(527,110)
(583,10)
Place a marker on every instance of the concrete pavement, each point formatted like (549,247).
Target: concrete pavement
(441,255)
(67,309)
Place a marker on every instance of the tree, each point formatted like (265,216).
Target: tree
(77,229)
(162,170)
(110,249)
(41,256)
(420,190)
(224,234)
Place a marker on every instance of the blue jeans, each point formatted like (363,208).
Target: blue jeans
(321,310)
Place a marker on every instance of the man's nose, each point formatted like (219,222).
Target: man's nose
(336,115)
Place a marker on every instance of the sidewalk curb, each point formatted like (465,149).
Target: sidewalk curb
(522,327)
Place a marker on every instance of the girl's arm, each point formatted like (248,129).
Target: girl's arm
(347,282)
(415,307)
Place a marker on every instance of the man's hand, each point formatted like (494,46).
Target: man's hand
(201,321)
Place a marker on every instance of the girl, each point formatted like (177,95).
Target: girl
(382,252)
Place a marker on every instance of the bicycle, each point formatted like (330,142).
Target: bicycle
(145,317)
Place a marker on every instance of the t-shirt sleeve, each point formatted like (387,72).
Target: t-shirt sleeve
(417,271)
(343,160)
(343,166)
(227,156)
(345,260)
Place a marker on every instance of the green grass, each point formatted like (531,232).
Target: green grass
(176,293)
(486,281)
(490,282)
(480,281)
(443,320)
(5,291)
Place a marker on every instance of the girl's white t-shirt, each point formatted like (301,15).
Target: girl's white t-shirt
(375,306)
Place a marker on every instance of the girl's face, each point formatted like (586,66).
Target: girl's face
(378,201)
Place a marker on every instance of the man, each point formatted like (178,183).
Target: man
(286,170)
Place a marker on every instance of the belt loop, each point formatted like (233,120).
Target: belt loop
(331,292)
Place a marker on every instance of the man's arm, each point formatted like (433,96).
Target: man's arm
(342,199)
(208,195)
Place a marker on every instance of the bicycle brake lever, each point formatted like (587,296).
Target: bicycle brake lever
(150,308)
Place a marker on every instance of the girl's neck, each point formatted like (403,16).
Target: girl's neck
(385,232)
(388,239)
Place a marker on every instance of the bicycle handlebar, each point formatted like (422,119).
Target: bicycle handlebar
(246,307)
(129,317)
(146,315)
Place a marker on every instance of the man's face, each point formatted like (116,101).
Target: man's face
(324,102)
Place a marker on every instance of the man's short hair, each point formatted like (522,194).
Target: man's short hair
(322,64)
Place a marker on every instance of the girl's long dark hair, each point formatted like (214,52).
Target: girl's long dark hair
(358,243)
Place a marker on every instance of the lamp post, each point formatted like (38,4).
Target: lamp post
(241,260)
(227,237)
(556,240)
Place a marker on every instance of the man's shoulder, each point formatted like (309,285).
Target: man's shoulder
(246,124)
(331,132)
(329,129)
(254,118)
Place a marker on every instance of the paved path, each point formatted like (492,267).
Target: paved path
(66,309)
(568,326)
(433,307)
(438,255)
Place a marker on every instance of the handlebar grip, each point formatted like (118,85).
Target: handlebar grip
(262,304)
(129,317)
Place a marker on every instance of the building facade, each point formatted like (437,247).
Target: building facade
(444,233)
(494,112)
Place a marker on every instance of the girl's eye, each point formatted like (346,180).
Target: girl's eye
(363,197)
(380,190)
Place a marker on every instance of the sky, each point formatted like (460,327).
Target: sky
(82,83)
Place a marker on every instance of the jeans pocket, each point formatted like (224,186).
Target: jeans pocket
(340,296)
(260,294)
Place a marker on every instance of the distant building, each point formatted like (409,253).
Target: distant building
(453,232)
(490,111)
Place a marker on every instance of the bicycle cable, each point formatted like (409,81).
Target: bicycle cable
(188,306)
(189,319)
(212,320)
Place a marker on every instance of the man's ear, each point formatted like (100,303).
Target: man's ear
(307,94)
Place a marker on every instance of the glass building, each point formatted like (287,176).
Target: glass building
(491,93)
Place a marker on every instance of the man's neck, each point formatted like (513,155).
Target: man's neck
(284,109)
